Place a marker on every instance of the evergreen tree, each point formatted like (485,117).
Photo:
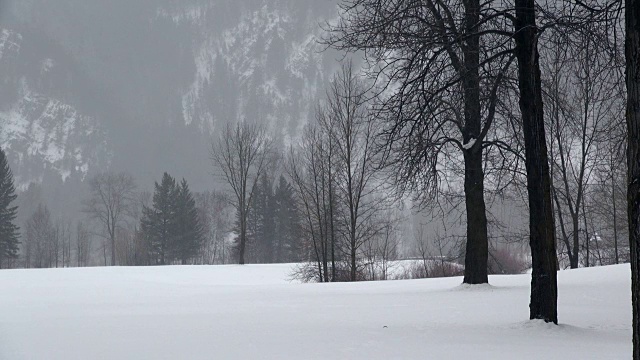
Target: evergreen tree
(189,231)
(159,221)
(287,221)
(260,230)
(8,230)
(267,230)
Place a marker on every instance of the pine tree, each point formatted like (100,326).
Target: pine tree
(8,230)
(287,221)
(267,225)
(159,221)
(189,234)
(259,246)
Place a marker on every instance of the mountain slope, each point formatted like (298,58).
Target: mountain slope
(40,132)
(148,83)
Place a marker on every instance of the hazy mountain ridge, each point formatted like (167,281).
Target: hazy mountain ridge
(269,60)
(162,77)
(39,132)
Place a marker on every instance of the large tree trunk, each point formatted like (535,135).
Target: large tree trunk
(632,50)
(477,249)
(544,292)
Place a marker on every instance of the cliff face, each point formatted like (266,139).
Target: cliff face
(40,131)
(143,85)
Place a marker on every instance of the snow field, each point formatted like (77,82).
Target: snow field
(254,312)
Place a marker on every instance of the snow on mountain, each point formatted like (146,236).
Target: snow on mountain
(39,132)
(9,43)
(153,80)
(267,59)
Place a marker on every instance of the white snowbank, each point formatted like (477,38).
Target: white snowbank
(253,312)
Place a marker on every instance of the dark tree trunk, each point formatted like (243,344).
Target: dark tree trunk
(632,51)
(575,257)
(615,218)
(544,291)
(332,227)
(243,238)
(354,273)
(586,233)
(113,250)
(477,249)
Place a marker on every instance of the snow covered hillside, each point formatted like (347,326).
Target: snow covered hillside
(253,312)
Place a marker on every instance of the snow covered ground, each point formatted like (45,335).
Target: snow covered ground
(253,312)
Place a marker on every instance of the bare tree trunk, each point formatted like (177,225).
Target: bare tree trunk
(331,218)
(113,247)
(615,214)
(544,292)
(632,52)
(586,233)
(243,238)
(477,247)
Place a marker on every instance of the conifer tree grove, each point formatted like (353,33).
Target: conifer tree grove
(189,232)
(171,225)
(287,222)
(8,230)
(158,222)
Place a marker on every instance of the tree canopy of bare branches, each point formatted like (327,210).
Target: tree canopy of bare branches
(347,120)
(439,66)
(111,202)
(242,154)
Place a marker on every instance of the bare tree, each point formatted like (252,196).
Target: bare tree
(440,65)
(64,234)
(40,236)
(583,89)
(382,250)
(632,52)
(351,130)
(217,218)
(544,288)
(83,244)
(242,154)
(111,203)
(423,250)
(609,207)
(334,173)
(309,167)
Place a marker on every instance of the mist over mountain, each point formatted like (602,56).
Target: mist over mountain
(142,86)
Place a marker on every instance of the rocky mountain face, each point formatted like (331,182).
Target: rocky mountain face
(143,85)
(42,132)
